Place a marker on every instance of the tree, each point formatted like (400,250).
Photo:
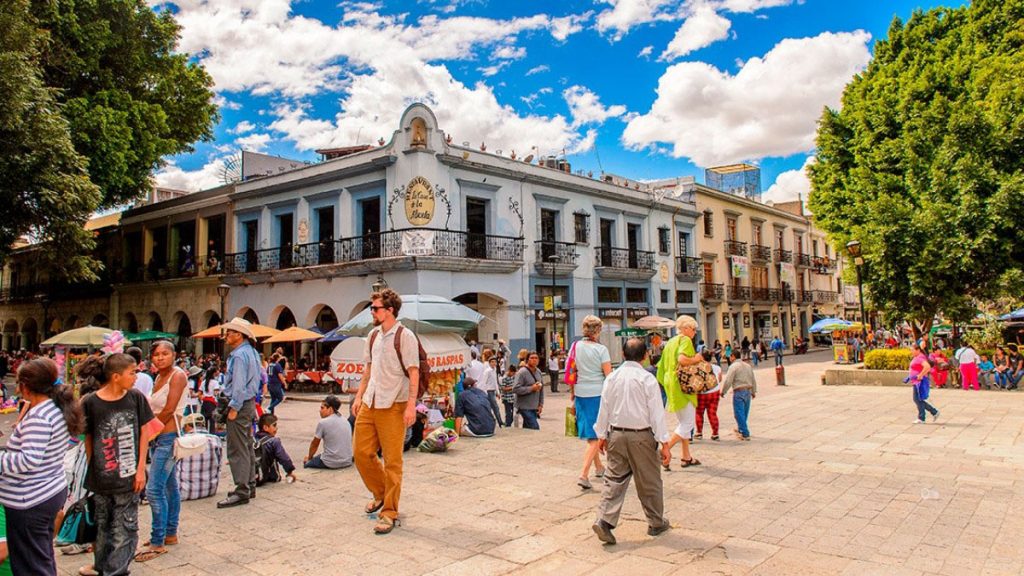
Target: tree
(923,162)
(129,99)
(44,187)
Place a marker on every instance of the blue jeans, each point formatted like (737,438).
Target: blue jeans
(276,397)
(741,408)
(778,357)
(922,405)
(755,357)
(318,462)
(492,396)
(1014,378)
(509,407)
(530,419)
(162,489)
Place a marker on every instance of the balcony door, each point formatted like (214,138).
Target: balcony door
(369,226)
(684,243)
(325,234)
(633,243)
(548,234)
(476,228)
(285,224)
(251,230)
(606,227)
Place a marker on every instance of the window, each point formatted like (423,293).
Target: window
(664,296)
(709,272)
(548,226)
(664,241)
(581,221)
(684,296)
(609,295)
(709,223)
(684,242)
(757,234)
(539,292)
(730,228)
(778,239)
(636,295)
(814,248)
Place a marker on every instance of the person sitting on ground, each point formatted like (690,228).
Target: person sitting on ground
(418,430)
(336,434)
(473,416)
(273,453)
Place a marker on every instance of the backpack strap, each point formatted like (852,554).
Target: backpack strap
(398,346)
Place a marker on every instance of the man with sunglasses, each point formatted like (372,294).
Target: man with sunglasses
(385,406)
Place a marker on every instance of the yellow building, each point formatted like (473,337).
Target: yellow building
(767,271)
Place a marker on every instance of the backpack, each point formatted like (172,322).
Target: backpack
(267,469)
(424,365)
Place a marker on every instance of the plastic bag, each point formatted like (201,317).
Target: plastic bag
(570,423)
(438,441)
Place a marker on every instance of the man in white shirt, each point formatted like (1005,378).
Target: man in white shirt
(143,381)
(475,370)
(630,425)
(553,370)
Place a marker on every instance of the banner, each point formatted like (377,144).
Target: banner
(787,273)
(740,267)
(851,296)
(418,242)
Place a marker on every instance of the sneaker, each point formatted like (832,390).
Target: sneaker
(935,416)
(584,483)
(715,437)
(746,438)
(652,531)
(72,549)
(918,421)
(604,532)
(599,473)
(699,436)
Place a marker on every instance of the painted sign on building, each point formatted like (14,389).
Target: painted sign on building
(419,202)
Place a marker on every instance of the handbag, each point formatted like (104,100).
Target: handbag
(570,423)
(570,366)
(79,524)
(186,445)
(696,378)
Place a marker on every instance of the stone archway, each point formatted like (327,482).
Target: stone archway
(11,340)
(129,323)
(29,334)
(323,317)
(183,328)
(155,322)
(358,308)
(249,314)
(100,320)
(283,318)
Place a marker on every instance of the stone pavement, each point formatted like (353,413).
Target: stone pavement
(836,480)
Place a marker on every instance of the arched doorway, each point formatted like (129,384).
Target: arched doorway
(184,332)
(155,322)
(11,339)
(285,318)
(495,322)
(129,323)
(358,308)
(322,317)
(100,320)
(30,334)
(249,314)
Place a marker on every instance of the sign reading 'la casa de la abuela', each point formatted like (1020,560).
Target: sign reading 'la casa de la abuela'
(419,202)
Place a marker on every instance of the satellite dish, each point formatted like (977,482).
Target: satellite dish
(231,169)
(528,159)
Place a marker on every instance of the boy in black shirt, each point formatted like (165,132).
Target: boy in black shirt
(118,427)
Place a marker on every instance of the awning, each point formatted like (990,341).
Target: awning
(445,351)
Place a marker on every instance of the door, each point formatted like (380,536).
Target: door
(633,244)
(711,327)
(684,244)
(606,242)
(369,227)
(476,228)
(285,240)
(325,235)
(251,241)
(548,234)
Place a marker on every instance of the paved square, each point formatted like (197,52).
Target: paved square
(835,481)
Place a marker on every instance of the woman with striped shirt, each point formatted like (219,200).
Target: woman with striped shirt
(32,483)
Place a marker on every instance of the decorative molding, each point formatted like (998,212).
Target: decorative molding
(513,205)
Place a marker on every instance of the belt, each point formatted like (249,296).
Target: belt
(620,429)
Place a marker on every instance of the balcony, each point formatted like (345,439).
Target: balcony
(803,260)
(783,255)
(404,249)
(758,294)
(623,263)
(739,293)
(823,265)
(804,297)
(734,248)
(825,297)
(689,269)
(760,253)
(712,292)
(568,257)
(56,291)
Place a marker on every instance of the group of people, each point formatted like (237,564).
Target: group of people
(754,351)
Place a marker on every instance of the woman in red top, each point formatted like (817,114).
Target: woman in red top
(920,371)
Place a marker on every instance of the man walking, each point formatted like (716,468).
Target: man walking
(385,406)
(530,392)
(777,347)
(241,385)
(553,371)
(740,378)
(630,425)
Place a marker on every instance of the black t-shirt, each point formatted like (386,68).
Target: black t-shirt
(115,428)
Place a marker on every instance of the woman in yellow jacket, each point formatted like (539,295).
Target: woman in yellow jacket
(679,351)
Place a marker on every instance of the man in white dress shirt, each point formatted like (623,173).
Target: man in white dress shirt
(630,425)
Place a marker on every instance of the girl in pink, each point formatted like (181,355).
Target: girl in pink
(920,369)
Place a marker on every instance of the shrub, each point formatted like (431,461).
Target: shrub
(898,359)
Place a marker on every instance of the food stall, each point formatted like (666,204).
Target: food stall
(840,330)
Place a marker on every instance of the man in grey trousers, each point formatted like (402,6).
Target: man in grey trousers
(630,425)
(241,386)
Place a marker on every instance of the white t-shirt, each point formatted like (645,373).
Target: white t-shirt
(144,383)
(489,381)
(968,356)
(553,363)
(590,359)
(475,371)
(717,370)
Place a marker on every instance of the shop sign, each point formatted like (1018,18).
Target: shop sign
(725,320)
(746,320)
(348,369)
(418,242)
(638,312)
(419,201)
(551,314)
(775,319)
(740,267)
(610,313)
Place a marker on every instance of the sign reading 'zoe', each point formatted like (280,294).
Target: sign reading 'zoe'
(419,202)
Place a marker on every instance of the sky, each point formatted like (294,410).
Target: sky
(646,89)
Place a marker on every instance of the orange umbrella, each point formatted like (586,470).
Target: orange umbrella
(293,334)
(258,330)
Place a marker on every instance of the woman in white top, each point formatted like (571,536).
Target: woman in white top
(167,402)
(592,364)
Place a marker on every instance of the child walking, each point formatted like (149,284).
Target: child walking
(508,395)
(118,427)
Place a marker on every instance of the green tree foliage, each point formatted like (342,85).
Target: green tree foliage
(923,163)
(129,98)
(45,190)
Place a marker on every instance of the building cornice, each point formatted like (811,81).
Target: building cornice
(310,176)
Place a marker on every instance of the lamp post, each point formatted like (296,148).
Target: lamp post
(853,248)
(43,299)
(222,291)
(379,284)
(554,259)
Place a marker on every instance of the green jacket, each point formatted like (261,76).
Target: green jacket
(677,400)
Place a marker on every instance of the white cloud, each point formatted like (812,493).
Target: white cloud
(625,15)
(226,104)
(538,69)
(748,6)
(585,107)
(791,185)
(254,142)
(585,144)
(702,28)
(770,107)
(493,69)
(562,28)
(509,53)
(242,127)
(645,52)
(209,176)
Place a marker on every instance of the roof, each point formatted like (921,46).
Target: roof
(732,168)
(332,153)
(103,221)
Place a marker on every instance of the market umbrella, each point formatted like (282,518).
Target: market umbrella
(334,336)
(148,335)
(940,328)
(421,313)
(1017,314)
(258,330)
(830,325)
(86,336)
(294,335)
(654,323)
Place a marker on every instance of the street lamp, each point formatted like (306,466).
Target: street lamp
(43,299)
(853,248)
(554,259)
(222,291)
(379,284)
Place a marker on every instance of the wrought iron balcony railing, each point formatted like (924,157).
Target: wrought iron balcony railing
(735,248)
(759,253)
(609,257)
(712,292)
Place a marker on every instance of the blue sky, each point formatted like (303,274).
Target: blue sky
(642,88)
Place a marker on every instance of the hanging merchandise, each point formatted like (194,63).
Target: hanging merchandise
(740,267)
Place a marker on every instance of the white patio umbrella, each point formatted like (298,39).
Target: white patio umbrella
(421,313)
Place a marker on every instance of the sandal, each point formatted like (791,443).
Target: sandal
(168,541)
(374,506)
(385,525)
(88,571)
(688,463)
(147,555)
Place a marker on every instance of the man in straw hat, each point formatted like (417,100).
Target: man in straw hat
(241,385)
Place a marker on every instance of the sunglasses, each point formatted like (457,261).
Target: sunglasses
(375,308)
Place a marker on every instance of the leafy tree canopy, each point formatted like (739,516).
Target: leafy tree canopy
(923,163)
(45,190)
(129,98)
